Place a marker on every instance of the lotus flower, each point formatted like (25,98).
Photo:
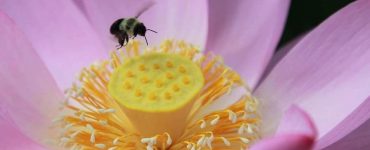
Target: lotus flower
(324,74)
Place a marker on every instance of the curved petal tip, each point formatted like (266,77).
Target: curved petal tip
(297,121)
(296,132)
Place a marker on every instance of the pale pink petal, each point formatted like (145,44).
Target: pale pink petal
(356,140)
(357,125)
(296,132)
(60,34)
(12,139)
(186,20)
(327,73)
(245,33)
(28,92)
(101,15)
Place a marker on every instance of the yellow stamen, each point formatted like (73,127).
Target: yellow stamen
(158,99)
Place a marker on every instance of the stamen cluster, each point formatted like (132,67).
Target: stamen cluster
(94,118)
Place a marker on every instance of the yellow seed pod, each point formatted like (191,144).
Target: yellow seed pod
(171,87)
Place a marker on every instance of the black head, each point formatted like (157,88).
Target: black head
(140,29)
(114,28)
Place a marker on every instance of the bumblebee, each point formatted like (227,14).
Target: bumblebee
(125,28)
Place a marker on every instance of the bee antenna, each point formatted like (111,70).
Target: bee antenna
(146,41)
(152,30)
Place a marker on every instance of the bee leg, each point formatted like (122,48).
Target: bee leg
(119,46)
(146,40)
(126,38)
(125,43)
(121,42)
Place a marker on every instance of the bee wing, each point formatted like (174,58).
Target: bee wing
(145,8)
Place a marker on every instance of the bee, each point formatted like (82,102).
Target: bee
(125,28)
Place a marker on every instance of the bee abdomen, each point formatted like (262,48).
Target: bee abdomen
(115,27)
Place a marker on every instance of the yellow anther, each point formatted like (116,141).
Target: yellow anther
(145,80)
(167,45)
(175,88)
(158,83)
(142,67)
(156,66)
(127,86)
(130,74)
(167,95)
(169,64)
(169,75)
(138,93)
(182,69)
(186,80)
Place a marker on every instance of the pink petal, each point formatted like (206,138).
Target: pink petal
(353,131)
(296,132)
(356,140)
(186,20)
(285,142)
(59,33)
(327,72)
(245,33)
(28,92)
(12,139)
(296,121)
(101,15)
(281,52)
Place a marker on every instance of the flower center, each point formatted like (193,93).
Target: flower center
(156,91)
(172,97)
(156,83)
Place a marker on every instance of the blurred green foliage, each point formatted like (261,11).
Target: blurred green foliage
(307,14)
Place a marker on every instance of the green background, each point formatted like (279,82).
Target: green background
(307,14)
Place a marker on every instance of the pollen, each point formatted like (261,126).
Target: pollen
(159,99)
